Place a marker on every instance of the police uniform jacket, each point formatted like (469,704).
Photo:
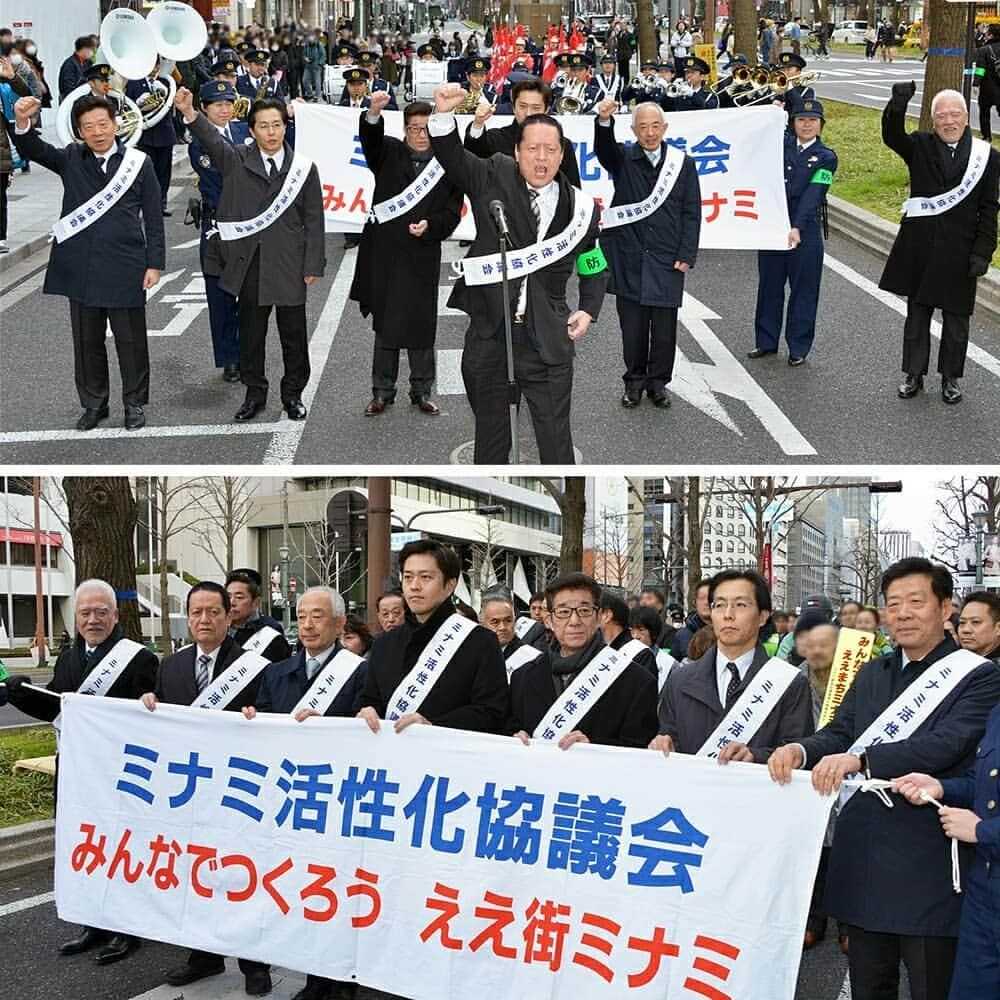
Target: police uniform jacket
(547,308)
(265,86)
(890,869)
(285,683)
(988,59)
(702,99)
(625,716)
(929,261)
(405,316)
(209,179)
(804,190)
(345,97)
(470,694)
(501,140)
(604,89)
(277,649)
(641,254)
(104,265)
(176,684)
(70,672)
(291,247)
(690,708)
(163,132)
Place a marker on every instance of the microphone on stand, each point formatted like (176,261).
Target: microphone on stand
(498,213)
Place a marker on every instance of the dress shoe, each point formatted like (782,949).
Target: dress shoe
(120,946)
(760,352)
(167,213)
(794,361)
(258,983)
(89,419)
(295,409)
(631,399)
(910,386)
(426,405)
(950,390)
(377,405)
(231,373)
(315,988)
(811,939)
(89,938)
(134,418)
(659,399)
(188,973)
(249,409)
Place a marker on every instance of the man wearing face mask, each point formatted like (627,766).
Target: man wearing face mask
(313,62)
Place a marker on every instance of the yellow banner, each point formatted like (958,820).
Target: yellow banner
(707,52)
(854,650)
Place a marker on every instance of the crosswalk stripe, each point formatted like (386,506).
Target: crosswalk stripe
(449,372)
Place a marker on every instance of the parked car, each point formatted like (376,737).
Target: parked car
(851,32)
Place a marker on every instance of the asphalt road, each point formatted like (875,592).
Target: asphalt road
(34,971)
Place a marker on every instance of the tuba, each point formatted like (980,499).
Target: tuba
(129,116)
(571,101)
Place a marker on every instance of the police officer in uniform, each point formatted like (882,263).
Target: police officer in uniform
(227,69)
(98,75)
(346,54)
(370,62)
(476,68)
(355,93)
(608,83)
(428,53)
(157,142)
(701,99)
(223,315)
(637,95)
(727,89)
(792,66)
(257,85)
(809,169)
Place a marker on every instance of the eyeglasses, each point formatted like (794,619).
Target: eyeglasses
(416,129)
(738,605)
(583,612)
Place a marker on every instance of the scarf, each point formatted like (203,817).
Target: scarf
(565,668)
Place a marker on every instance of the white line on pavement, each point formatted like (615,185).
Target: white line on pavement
(449,372)
(845,988)
(26,904)
(118,433)
(982,358)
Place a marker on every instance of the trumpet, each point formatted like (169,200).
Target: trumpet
(679,88)
(647,81)
(778,82)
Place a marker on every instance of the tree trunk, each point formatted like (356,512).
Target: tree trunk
(948,21)
(693,514)
(648,48)
(743,16)
(102,519)
(572,501)
(162,501)
(230,487)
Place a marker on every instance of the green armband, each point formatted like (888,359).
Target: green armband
(979,71)
(592,262)
(822,177)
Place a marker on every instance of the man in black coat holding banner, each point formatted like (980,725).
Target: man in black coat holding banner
(549,220)
(409,223)
(922,707)
(651,248)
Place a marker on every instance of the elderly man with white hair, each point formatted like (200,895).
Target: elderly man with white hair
(79,668)
(650,250)
(947,236)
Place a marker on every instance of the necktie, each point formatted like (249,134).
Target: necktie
(312,667)
(88,657)
(229,135)
(734,683)
(100,164)
(201,673)
(800,148)
(272,169)
(522,296)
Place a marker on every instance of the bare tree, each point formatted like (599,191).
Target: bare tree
(617,552)
(226,503)
(866,563)
(484,553)
(953,522)
(342,571)
(572,501)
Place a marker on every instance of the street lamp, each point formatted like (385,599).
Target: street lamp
(979,518)
(484,509)
(286,617)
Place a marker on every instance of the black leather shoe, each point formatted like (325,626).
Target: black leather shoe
(950,390)
(249,409)
(660,399)
(910,386)
(258,983)
(377,405)
(295,409)
(89,419)
(794,361)
(134,418)
(630,399)
(89,938)
(167,213)
(426,405)
(120,946)
(231,373)
(315,988)
(759,352)
(187,973)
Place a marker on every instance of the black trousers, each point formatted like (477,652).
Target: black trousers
(874,965)
(4,184)
(988,100)
(203,959)
(385,370)
(90,353)
(254,319)
(162,158)
(917,341)
(547,389)
(649,344)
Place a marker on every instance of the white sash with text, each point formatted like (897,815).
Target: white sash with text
(935,204)
(294,179)
(231,681)
(398,205)
(624,215)
(327,684)
(521,656)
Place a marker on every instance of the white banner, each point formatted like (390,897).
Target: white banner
(738,154)
(435,863)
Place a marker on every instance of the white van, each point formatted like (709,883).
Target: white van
(851,32)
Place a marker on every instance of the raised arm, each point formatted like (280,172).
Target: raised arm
(465,170)
(894,120)
(29,145)
(222,155)
(609,153)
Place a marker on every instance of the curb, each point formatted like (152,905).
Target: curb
(878,234)
(27,847)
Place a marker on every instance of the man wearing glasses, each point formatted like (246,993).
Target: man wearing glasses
(391,610)
(625,715)
(698,698)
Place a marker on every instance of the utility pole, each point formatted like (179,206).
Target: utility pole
(36,487)
(379,530)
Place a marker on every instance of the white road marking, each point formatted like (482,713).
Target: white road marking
(26,904)
(119,433)
(188,245)
(982,358)
(443,309)
(845,988)
(449,373)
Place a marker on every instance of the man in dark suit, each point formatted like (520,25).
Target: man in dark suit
(471,692)
(541,206)
(103,267)
(625,715)
(320,615)
(613,620)
(95,612)
(71,71)
(698,697)
(158,141)
(245,617)
(648,256)
(899,902)
(275,263)
(497,614)
(181,678)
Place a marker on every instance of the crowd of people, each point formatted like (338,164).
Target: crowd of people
(686,680)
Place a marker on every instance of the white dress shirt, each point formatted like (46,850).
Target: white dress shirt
(278,157)
(723,676)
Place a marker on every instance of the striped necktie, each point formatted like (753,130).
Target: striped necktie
(734,683)
(201,674)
